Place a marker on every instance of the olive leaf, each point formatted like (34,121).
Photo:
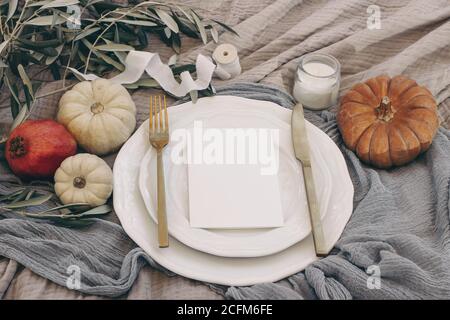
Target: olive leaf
(214,34)
(28,97)
(186,14)
(194,96)
(33,44)
(97,211)
(200,26)
(72,206)
(134,14)
(121,56)
(15,102)
(71,215)
(27,203)
(21,116)
(180,69)
(187,27)
(168,20)
(86,33)
(38,3)
(228,28)
(46,48)
(59,3)
(176,43)
(25,79)
(11,195)
(167,32)
(142,38)
(36,33)
(12,9)
(210,91)
(93,212)
(146,83)
(102,56)
(15,107)
(46,21)
(3,45)
(50,59)
(21,196)
(80,219)
(173,60)
(30,193)
(114,47)
(132,22)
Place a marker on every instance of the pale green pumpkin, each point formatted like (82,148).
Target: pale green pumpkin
(84,178)
(99,114)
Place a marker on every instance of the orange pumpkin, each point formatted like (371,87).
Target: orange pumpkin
(388,122)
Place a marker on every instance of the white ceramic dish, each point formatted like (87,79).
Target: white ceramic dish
(199,265)
(240,242)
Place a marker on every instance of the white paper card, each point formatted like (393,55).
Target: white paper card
(232,196)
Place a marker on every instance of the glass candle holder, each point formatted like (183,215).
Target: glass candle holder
(317,81)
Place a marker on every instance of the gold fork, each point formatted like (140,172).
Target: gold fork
(159,138)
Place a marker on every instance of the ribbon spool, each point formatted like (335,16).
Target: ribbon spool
(227,60)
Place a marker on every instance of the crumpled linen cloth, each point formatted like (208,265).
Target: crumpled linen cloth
(412,39)
(400,225)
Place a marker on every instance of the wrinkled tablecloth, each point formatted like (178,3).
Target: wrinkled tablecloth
(412,39)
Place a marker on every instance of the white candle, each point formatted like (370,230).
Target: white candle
(317,81)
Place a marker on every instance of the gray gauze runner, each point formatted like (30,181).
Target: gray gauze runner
(400,225)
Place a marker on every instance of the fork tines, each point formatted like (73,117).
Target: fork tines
(159,120)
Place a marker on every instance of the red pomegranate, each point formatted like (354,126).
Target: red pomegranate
(36,148)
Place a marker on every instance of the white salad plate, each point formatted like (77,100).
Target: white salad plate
(238,242)
(199,265)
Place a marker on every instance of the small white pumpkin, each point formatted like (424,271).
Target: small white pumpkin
(99,114)
(84,178)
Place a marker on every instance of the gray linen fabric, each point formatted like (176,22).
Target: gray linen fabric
(413,40)
(400,224)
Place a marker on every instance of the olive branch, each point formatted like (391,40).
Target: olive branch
(53,36)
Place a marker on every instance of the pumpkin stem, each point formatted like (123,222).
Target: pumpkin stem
(97,108)
(385,111)
(17,147)
(79,182)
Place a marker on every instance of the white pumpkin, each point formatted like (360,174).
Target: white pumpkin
(99,114)
(84,178)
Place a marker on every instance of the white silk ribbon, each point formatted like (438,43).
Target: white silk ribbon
(138,62)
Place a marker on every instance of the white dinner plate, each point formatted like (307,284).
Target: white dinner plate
(239,242)
(199,265)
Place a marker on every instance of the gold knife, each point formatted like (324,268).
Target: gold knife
(301,150)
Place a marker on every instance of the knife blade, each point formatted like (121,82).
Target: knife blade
(302,153)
